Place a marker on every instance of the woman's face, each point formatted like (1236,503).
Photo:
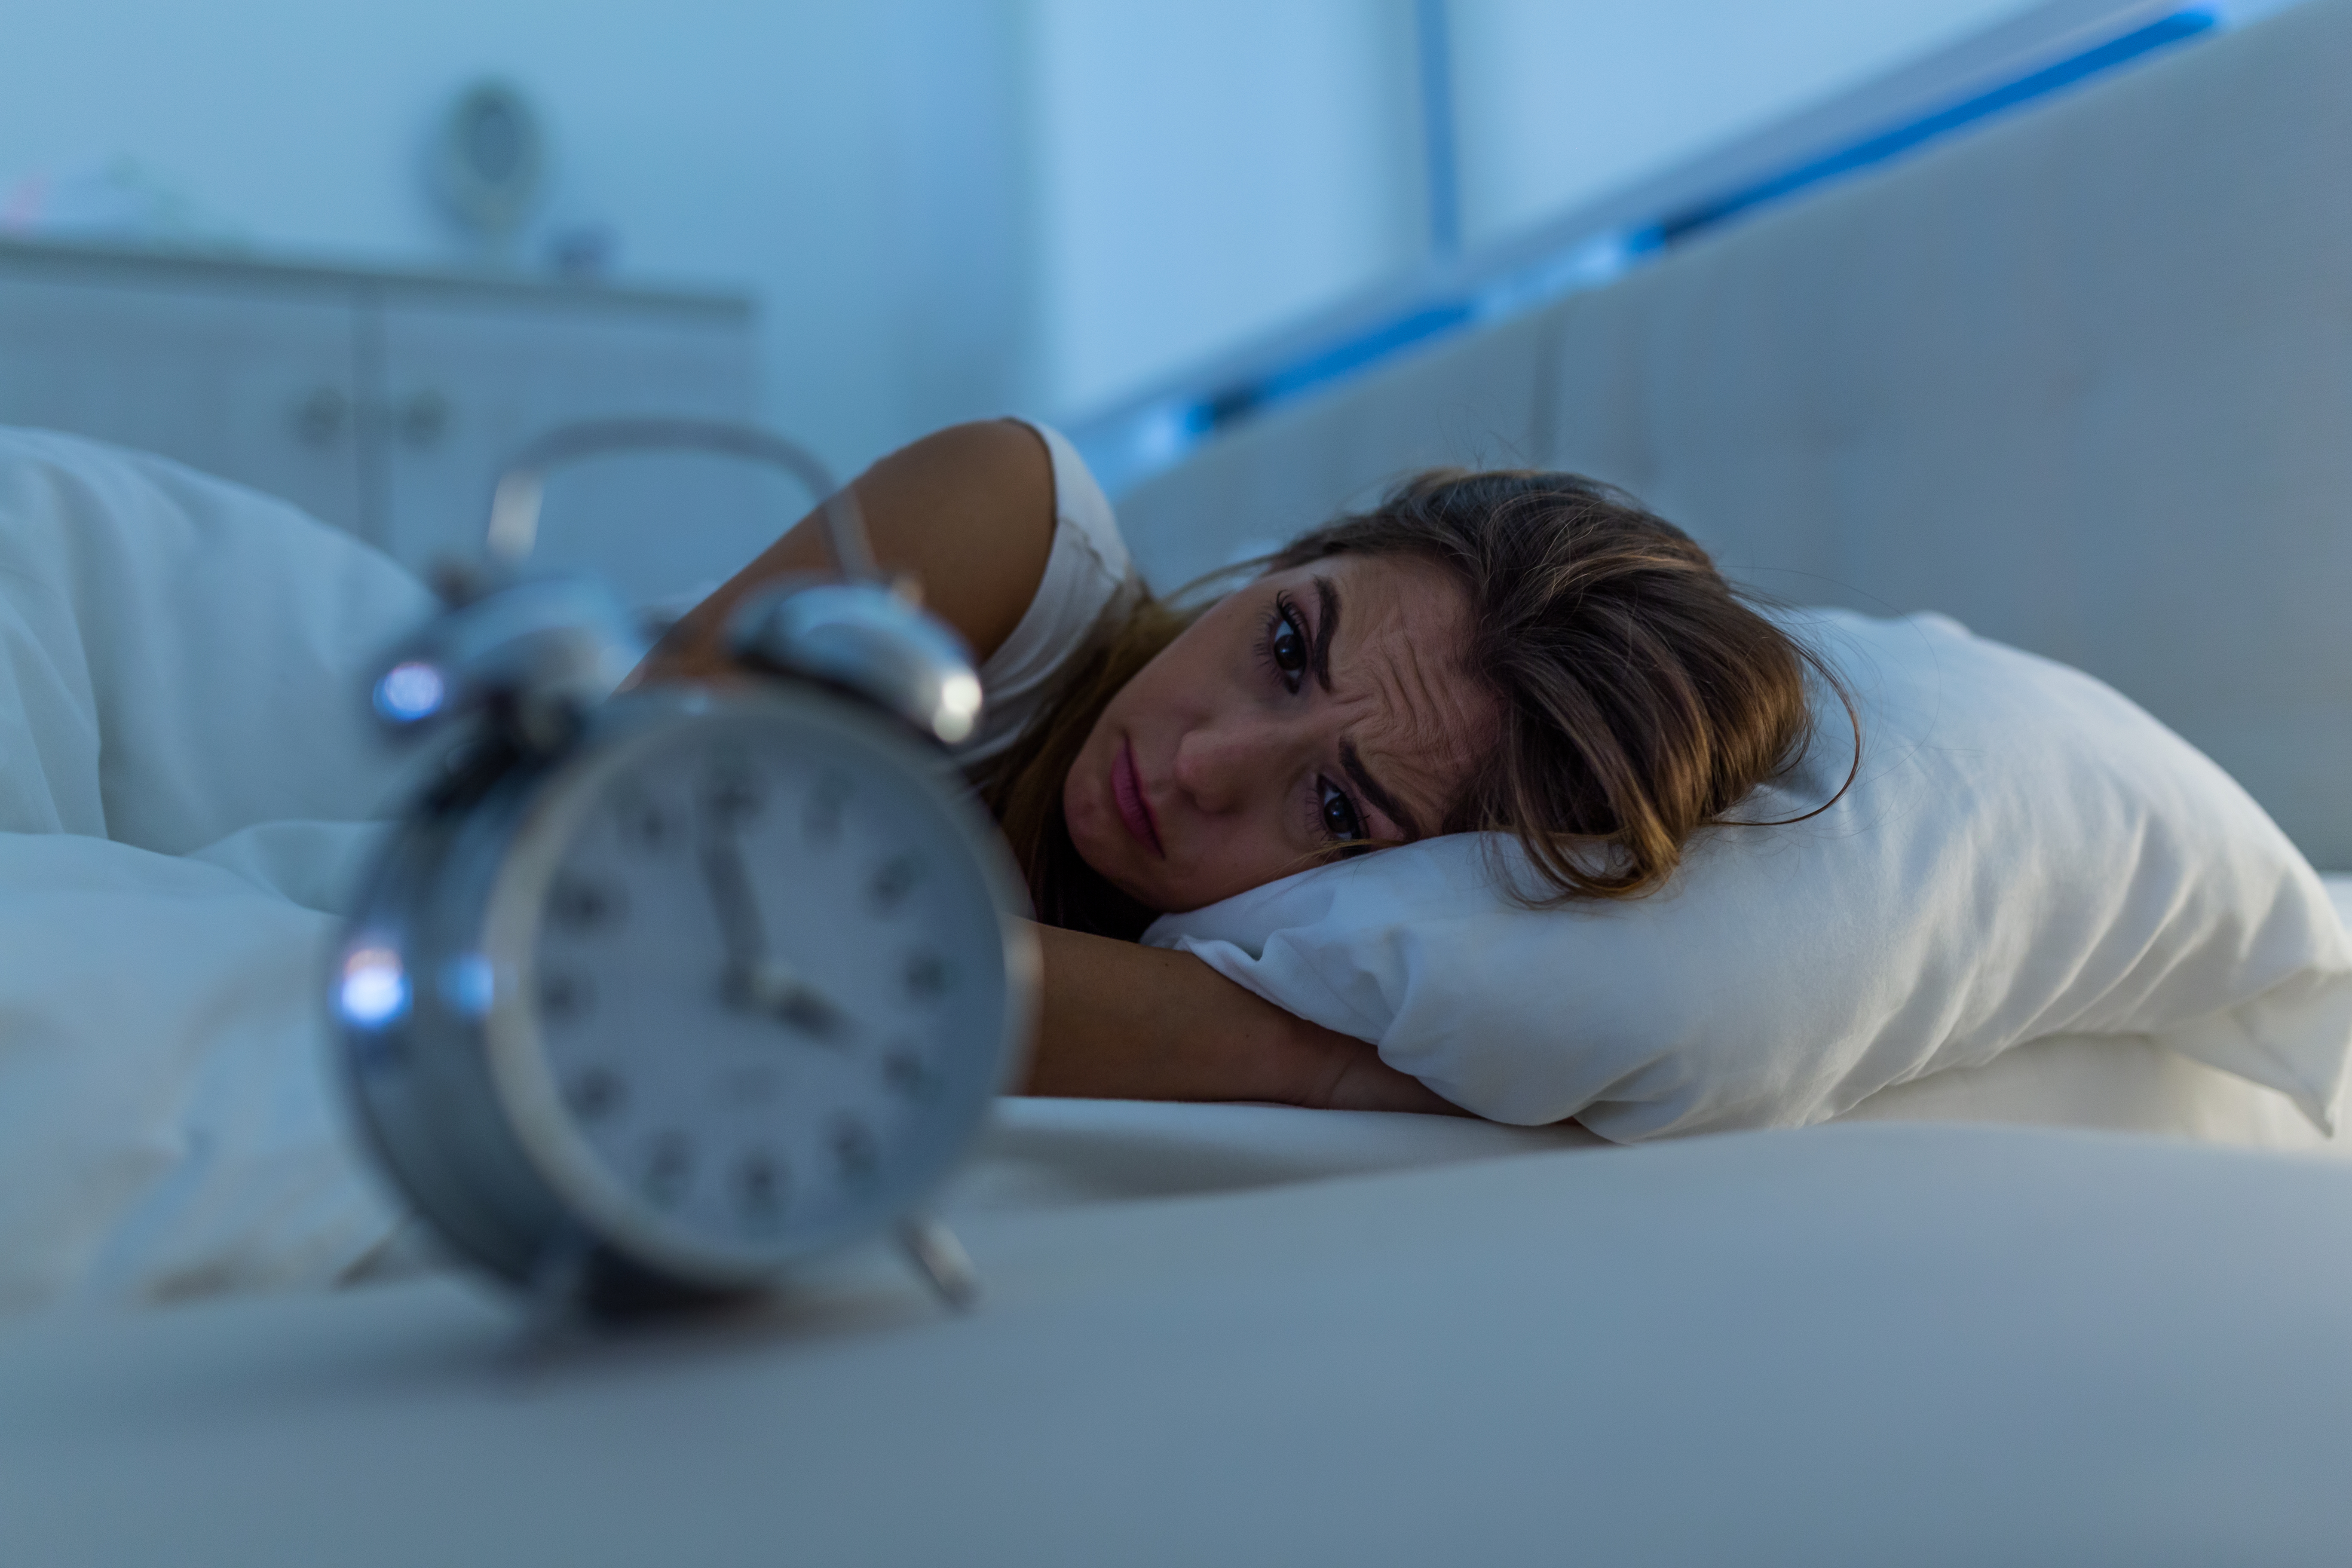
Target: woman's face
(1324,705)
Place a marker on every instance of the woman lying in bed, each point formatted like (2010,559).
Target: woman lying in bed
(1522,652)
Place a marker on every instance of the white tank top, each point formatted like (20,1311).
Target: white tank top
(1087,572)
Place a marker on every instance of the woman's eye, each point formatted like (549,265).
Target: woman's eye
(1340,819)
(1288,644)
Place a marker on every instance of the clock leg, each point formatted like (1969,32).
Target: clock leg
(553,1295)
(941,1258)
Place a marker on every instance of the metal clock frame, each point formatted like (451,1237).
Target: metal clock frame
(445,1076)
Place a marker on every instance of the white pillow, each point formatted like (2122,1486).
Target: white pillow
(2024,853)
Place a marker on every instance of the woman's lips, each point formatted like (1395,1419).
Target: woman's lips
(1134,809)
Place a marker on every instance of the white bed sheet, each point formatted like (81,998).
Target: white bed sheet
(1064,1154)
(1861,1344)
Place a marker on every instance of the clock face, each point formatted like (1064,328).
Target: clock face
(752,991)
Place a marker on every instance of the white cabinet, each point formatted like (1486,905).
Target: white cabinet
(385,403)
(470,380)
(253,378)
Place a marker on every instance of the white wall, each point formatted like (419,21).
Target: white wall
(859,166)
(1212,168)
(1559,101)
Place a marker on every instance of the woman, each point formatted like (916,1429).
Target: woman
(1515,652)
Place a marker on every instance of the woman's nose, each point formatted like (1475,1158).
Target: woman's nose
(1218,764)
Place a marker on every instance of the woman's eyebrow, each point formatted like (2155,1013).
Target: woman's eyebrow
(1326,626)
(1319,659)
(1387,803)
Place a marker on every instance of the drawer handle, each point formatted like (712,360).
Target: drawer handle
(423,419)
(320,416)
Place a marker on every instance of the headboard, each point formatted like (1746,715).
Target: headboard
(2083,380)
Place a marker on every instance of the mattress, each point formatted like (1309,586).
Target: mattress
(1854,1344)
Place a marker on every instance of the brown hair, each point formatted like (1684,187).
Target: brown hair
(1643,697)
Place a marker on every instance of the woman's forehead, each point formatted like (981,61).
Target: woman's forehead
(1387,606)
(1399,671)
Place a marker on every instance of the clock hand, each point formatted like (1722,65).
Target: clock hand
(776,990)
(731,899)
(755,981)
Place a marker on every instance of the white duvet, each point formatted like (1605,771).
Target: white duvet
(188,788)
(185,779)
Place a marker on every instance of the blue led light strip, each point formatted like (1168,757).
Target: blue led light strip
(2156,34)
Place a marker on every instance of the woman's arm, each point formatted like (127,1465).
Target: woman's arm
(1123,1022)
(968,512)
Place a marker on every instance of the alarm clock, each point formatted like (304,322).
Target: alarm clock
(487,160)
(655,994)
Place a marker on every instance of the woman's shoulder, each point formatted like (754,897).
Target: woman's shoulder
(1081,509)
(1088,573)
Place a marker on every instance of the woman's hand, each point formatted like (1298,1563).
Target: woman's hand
(1357,1079)
(1123,1022)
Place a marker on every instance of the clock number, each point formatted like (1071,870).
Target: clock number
(669,1169)
(597,1093)
(760,1182)
(821,814)
(925,975)
(565,998)
(643,824)
(731,793)
(582,904)
(907,1075)
(892,881)
(854,1150)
